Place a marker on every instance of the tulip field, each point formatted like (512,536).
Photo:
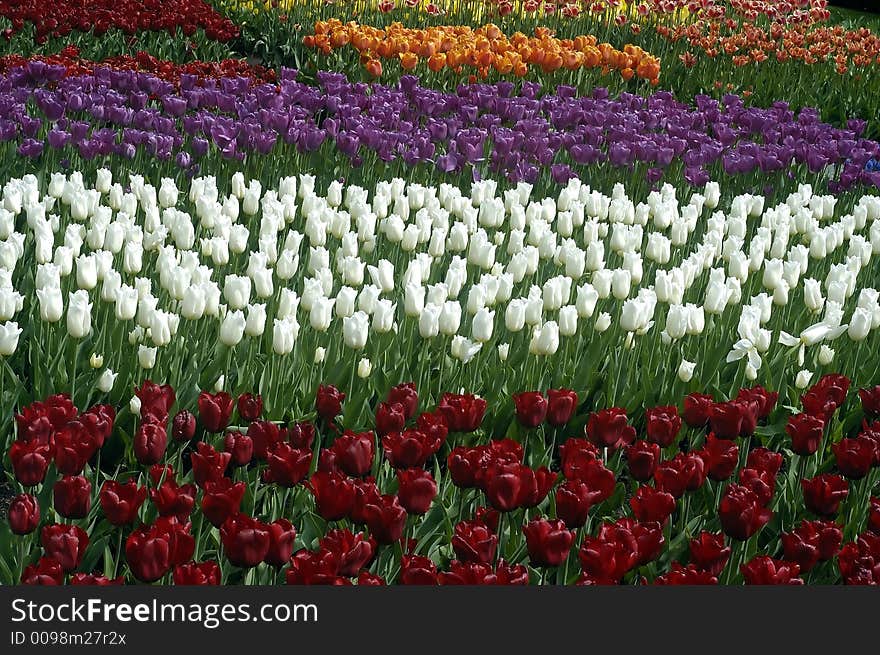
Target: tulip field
(461,292)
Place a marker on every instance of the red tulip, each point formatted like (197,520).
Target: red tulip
(608,428)
(197,573)
(183,426)
(708,552)
(46,571)
(806,433)
(245,540)
(662,425)
(473,541)
(353,551)
(463,413)
(764,570)
(328,402)
(65,543)
(288,466)
(416,490)
(824,493)
(215,410)
(531,408)
(72,496)
(121,502)
(741,512)
(249,406)
(386,519)
(405,395)
(561,406)
(222,499)
(282,534)
(24,514)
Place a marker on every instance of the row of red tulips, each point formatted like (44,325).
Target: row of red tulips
(738,487)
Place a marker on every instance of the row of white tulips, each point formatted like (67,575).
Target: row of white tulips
(540,290)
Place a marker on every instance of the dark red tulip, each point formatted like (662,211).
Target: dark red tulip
(507,574)
(761,483)
(150,441)
(473,541)
(697,408)
(763,400)
(365,493)
(416,490)
(870,400)
(64,543)
(708,552)
(764,570)
(662,425)
(121,502)
(410,448)
(46,571)
(74,446)
(354,452)
(575,455)
(649,537)
(824,493)
(334,495)
(463,463)
(405,395)
(353,551)
(208,465)
(282,534)
(650,504)
(215,410)
(265,435)
(95,580)
(98,420)
(328,402)
(686,575)
(386,519)
(314,568)
(854,457)
(467,573)
(30,461)
(417,570)
(607,557)
(463,413)
(561,406)
(531,408)
(721,457)
(288,466)
(873,515)
(367,579)
(805,432)
(726,419)
(240,446)
(245,540)
(830,538)
(183,426)
(801,546)
(24,514)
(859,561)
(72,496)
(824,397)
(301,435)
(197,573)
(608,428)
(156,401)
(148,551)
(390,417)
(763,459)
(181,543)
(249,406)
(641,458)
(684,472)
(222,499)
(741,512)
(433,426)
(174,500)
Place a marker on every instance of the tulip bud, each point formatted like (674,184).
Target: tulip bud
(364,368)
(826,355)
(320,353)
(802,380)
(503,351)
(106,380)
(146,356)
(686,370)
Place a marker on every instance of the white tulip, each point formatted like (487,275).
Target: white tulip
(603,322)
(483,325)
(284,334)
(9,333)
(106,380)
(355,329)
(320,354)
(232,328)
(79,314)
(686,370)
(51,304)
(364,368)
(146,356)
(802,380)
